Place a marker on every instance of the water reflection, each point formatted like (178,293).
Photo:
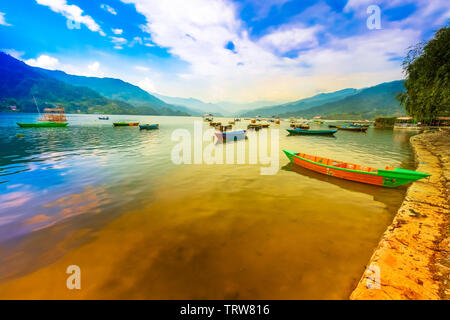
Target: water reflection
(111,200)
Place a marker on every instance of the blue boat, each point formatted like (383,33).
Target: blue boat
(231,135)
(149,126)
(303,131)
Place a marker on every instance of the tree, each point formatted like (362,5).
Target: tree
(427,70)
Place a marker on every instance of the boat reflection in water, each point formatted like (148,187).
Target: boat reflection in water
(383,195)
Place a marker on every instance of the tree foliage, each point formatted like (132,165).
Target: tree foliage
(427,70)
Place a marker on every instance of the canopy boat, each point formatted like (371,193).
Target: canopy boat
(103,118)
(303,131)
(231,135)
(53,118)
(388,177)
(125,124)
(352,128)
(149,126)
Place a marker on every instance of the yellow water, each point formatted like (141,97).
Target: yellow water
(138,226)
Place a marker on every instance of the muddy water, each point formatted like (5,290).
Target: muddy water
(112,202)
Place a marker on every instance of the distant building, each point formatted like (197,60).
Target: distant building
(13,108)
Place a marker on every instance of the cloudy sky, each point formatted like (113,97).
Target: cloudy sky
(222,50)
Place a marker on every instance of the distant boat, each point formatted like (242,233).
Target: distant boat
(300,125)
(352,128)
(149,126)
(125,124)
(388,177)
(231,135)
(303,131)
(103,118)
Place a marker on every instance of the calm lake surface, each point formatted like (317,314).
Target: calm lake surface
(111,201)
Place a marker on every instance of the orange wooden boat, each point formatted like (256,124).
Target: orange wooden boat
(389,177)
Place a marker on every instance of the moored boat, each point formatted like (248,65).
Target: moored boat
(352,128)
(388,177)
(43,125)
(300,125)
(103,118)
(52,118)
(231,135)
(303,131)
(149,126)
(125,124)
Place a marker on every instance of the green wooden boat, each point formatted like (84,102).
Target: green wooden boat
(43,124)
(388,177)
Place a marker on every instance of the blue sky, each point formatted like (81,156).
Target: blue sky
(222,50)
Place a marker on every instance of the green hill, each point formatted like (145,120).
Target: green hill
(117,89)
(302,104)
(20,82)
(368,103)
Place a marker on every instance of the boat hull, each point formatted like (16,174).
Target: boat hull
(148,126)
(231,136)
(311,132)
(389,178)
(351,128)
(125,124)
(43,125)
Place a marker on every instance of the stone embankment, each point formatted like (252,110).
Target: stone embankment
(412,260)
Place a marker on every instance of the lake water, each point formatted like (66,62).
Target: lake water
(111,201)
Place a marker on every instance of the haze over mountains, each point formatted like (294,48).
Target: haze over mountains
(20,82)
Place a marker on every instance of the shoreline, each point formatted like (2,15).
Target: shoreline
(412,259)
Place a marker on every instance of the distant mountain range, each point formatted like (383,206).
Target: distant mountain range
(222,108)
(116,89)
(367,103)
(20,82)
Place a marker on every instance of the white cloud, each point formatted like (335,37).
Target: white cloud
(147,85)
(117,31)
(94,66)
(141,68)
(72,12)
(197,32)
(2,20)
(14,53)
(108,8)
(118,42)
(44,61)
(289,37)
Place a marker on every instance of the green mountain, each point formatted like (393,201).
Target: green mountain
(120,90)
(368,103)
(20,82)
(302,104)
